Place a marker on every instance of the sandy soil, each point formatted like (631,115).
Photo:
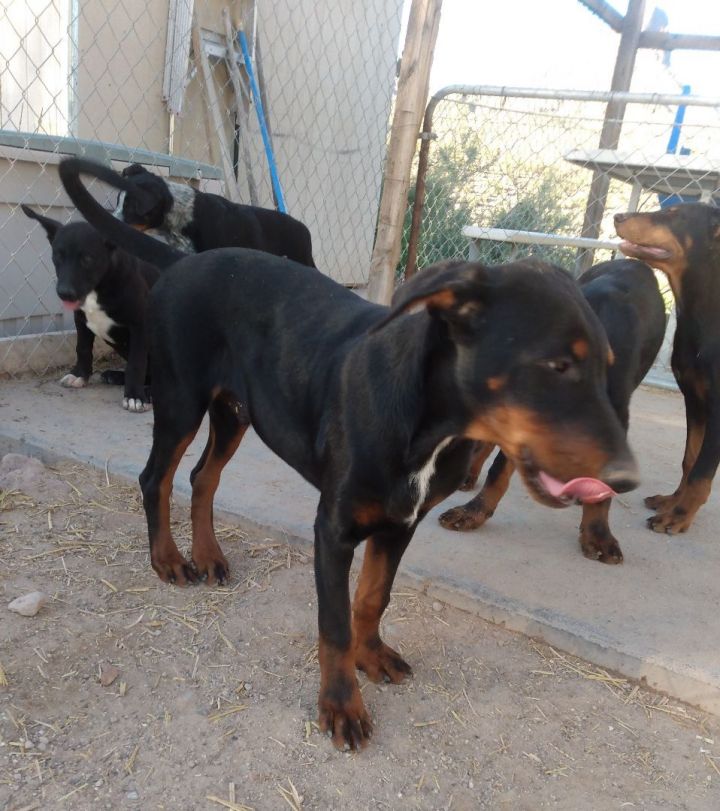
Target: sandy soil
(126,693)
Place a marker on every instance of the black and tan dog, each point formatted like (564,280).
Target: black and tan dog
(107,291)
(683,241)
(625,296)
(198,221)
(378,408)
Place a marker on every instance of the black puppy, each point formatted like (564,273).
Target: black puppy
(625,296)
(198,221)
(107,291)
(377,408)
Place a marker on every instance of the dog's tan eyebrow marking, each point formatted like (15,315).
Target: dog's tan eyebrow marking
(444,299)
(496,383)
(580,348)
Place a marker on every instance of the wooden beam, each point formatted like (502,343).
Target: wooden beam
(612,125)
(606,13)
(662,41)
(410,100)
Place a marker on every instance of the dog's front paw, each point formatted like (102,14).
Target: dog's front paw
(671,522)
(346,720)
(173,568)
(211,566)
(598,543)
(71,381)
(677,516)
(135,404)
(661,502)
(463,519)
(381,663)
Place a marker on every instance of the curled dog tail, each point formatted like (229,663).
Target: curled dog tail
(124,236)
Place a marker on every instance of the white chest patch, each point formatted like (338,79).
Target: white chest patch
(420,480)
(98,320)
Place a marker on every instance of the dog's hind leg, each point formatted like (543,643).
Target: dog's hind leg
(170,441)
(700,463)
(695,416)
(228,424)
(477,511)
(372,595)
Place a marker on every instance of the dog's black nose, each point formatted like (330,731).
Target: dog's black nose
(622,475)
(622,217)
(65,292)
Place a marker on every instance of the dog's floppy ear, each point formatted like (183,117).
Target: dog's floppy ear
(448,289)
(51,226)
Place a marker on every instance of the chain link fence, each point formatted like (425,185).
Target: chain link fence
(509,173)
(169,84)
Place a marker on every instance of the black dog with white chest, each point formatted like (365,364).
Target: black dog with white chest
(195,221)
(107,291)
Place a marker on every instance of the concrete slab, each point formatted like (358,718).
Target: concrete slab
(652,618)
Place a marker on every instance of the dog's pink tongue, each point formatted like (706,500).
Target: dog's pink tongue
(583,489)
(71,305)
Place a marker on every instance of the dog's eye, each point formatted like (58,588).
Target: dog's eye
(559,365)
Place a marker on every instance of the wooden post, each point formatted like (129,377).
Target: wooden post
(411,96)
(612,125)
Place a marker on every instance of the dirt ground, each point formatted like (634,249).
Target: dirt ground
(126,693)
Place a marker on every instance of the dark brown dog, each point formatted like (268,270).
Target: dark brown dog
(683,241)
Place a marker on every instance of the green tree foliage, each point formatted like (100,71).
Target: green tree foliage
(441,235)
(541,208)
(457,159)
(492,171)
